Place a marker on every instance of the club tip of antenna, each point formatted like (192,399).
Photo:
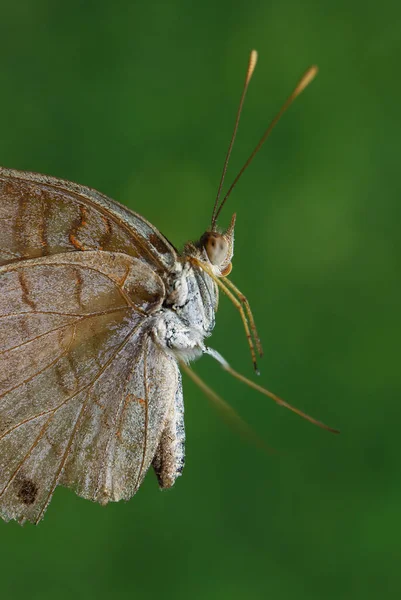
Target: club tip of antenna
(307,78)
(253,59)
(312,72)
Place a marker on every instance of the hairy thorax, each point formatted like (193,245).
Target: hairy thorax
(188,312)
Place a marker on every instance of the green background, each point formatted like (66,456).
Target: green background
(138,100)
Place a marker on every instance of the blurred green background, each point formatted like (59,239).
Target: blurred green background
(138,100)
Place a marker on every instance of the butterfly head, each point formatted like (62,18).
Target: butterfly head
(219,248)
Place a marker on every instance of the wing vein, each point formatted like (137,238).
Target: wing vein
(27,455)
(65,456)
(60,327)
(53,362)
(19,267)
(81,413)
(88,385)
(145,382)
(114,432)
(61,314)
(53,412)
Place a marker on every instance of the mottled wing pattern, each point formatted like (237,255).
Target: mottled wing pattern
(41,215)
(85,393)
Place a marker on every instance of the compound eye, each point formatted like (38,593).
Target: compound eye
(216,247)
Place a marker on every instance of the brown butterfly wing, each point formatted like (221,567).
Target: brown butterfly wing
(84,391)
(42,215)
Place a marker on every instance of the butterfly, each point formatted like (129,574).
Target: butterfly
(98,311)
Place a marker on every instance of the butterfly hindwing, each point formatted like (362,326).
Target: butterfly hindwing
(85,393)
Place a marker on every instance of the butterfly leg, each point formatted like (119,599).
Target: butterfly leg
(217,356)
(226,410)
(238,305)
(249,313)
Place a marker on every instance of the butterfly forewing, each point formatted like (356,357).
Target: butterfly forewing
(41,215)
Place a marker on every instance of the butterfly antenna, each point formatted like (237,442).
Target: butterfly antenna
(253,57)
(305,80)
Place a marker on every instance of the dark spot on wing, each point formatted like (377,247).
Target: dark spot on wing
(27,491)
